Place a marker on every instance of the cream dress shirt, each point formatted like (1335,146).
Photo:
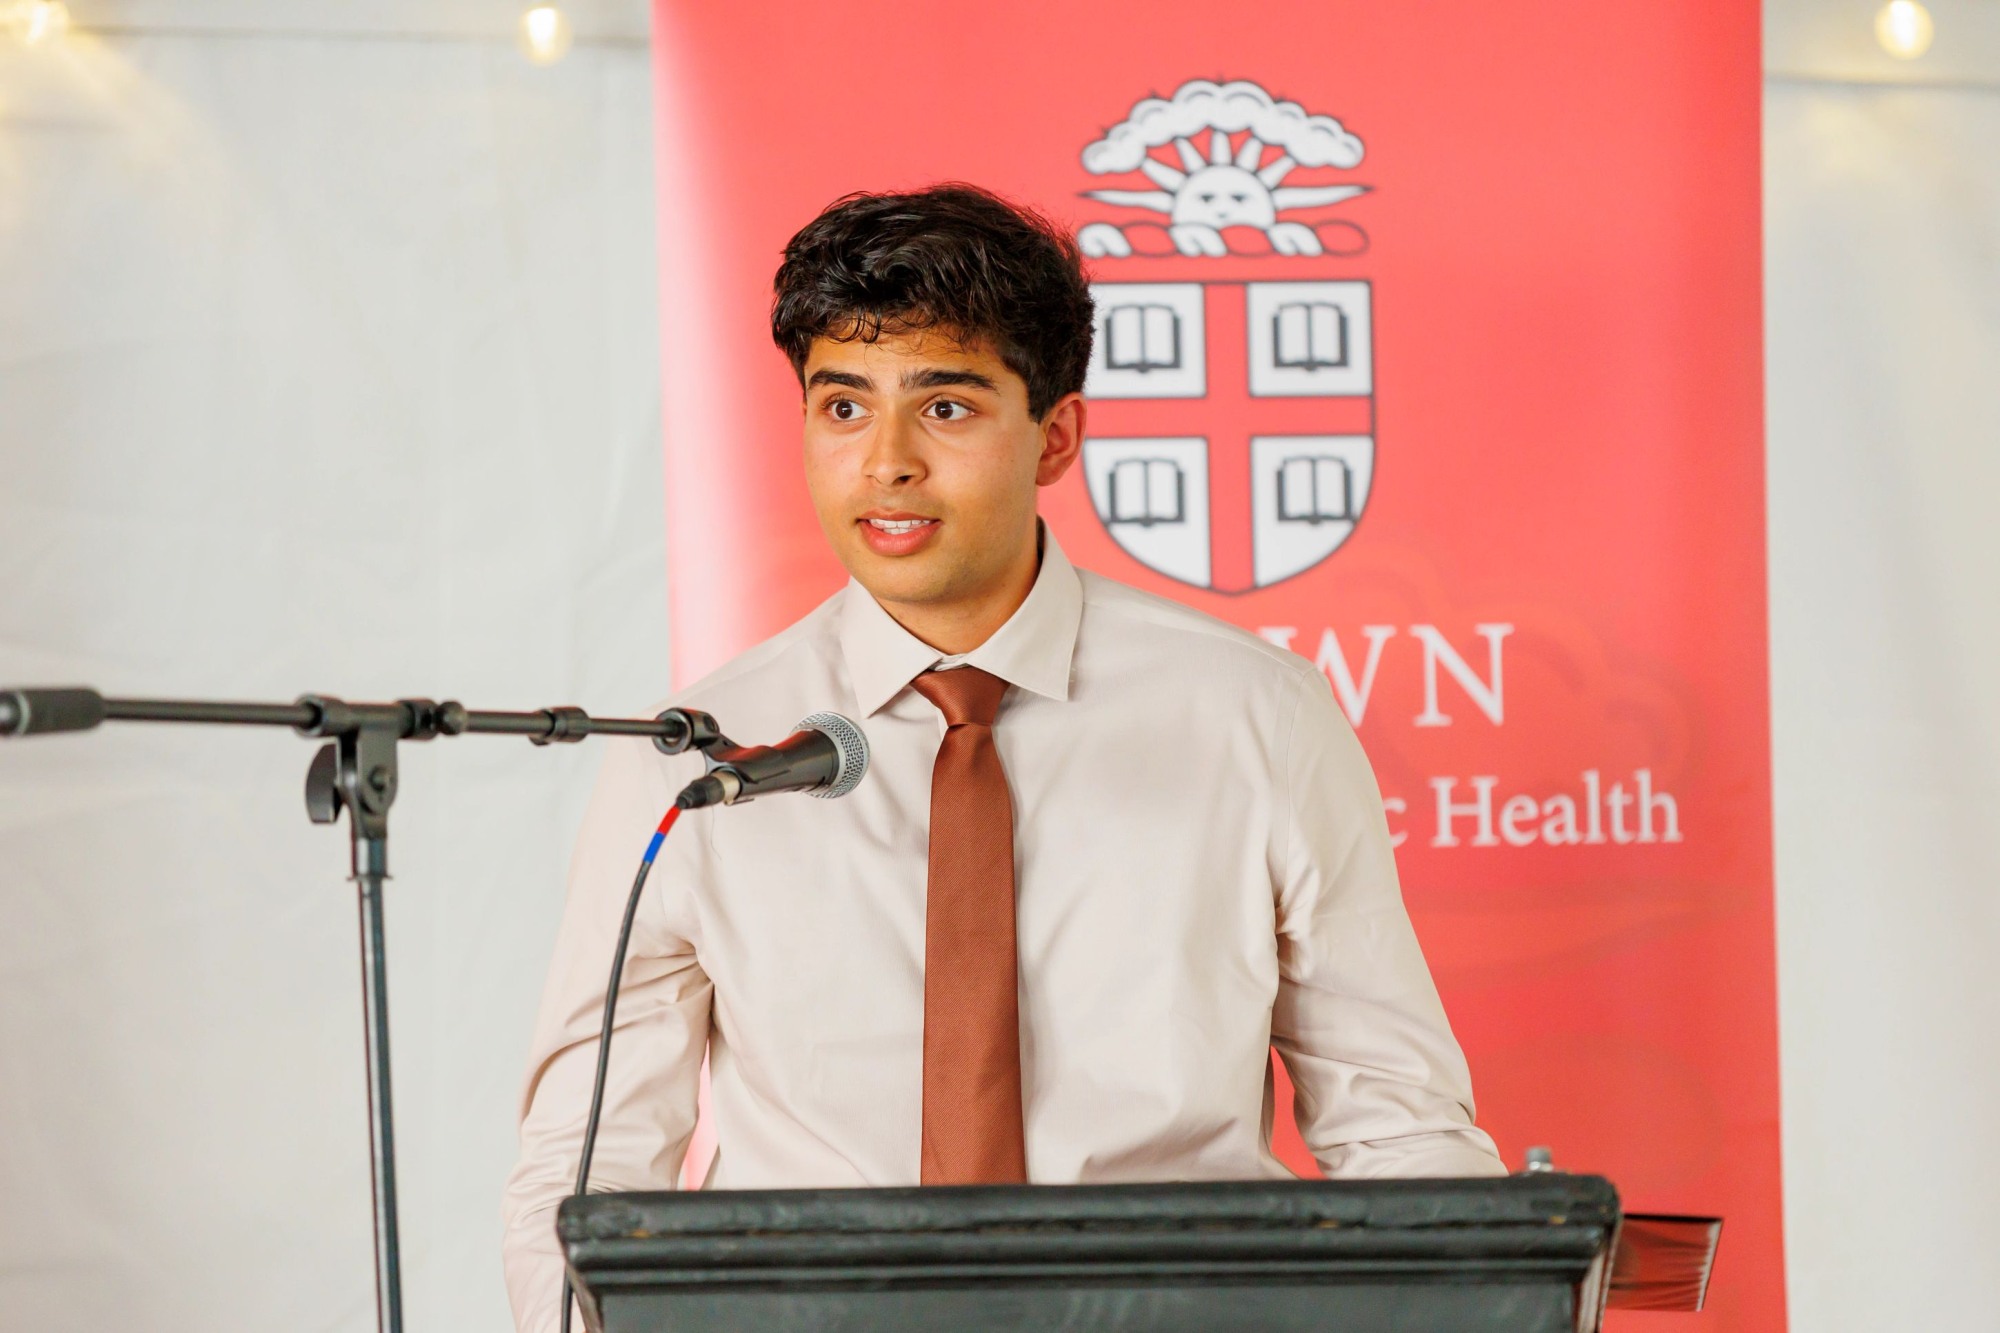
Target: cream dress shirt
(1203,872)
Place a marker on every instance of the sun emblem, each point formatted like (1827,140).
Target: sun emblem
(1232,184)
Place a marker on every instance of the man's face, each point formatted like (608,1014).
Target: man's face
(922,461)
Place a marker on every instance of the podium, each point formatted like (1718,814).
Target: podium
(1527,1254)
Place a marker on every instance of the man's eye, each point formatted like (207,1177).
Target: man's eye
(950,411)
(844,409)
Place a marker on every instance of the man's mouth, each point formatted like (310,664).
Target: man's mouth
(897,532)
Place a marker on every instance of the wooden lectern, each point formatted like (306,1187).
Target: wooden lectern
(1527,1254)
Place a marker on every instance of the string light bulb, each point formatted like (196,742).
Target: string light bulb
(545,34)
(40,22)
(1904,29)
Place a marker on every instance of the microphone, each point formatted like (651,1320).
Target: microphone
(826,755)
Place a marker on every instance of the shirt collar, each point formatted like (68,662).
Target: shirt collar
(1032,650)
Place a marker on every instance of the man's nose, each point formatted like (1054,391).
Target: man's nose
(892,455)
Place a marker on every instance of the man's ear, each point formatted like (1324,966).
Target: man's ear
(1062,439)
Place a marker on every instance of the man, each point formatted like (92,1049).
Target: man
(1109,851)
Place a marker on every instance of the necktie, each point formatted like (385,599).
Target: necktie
(972,1032)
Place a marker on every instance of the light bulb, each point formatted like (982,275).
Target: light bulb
(545,34)
(1905,29)
(40,22)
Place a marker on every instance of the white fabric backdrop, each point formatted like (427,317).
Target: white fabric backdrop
(263,262)
(1883,272)
(328,362)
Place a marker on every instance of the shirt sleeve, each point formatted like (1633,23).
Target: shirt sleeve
(1380,1085)
(658,1043)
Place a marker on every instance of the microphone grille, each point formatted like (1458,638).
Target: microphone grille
(848,743)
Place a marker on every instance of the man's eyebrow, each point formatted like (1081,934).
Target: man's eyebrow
(846,379)
(935,378)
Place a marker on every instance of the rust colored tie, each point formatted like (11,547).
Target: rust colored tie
(972,1027)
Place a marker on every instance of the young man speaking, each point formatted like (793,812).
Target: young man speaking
(1109,850)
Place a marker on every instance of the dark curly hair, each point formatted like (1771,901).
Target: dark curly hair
(954,258)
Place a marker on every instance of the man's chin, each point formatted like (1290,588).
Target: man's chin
(911,580)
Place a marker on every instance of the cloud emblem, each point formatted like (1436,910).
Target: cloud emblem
(1197,105)
(1231,184)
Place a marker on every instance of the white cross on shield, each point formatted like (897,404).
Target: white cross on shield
(1232,440)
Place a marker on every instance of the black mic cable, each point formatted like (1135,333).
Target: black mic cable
(610,1018)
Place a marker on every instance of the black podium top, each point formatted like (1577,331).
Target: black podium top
(1523,1252)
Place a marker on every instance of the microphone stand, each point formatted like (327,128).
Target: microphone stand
(355,773)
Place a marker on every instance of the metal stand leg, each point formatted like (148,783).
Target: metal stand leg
(370,870)
(356,775)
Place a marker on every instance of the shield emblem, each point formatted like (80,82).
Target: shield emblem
(1232,441)
(1232,382)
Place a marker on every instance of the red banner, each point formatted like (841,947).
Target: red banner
(1429,347)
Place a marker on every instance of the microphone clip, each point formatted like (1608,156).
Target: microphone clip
(685,729)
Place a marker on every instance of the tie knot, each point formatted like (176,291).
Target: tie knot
(965,695)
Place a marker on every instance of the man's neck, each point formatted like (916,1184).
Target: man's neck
(955,628)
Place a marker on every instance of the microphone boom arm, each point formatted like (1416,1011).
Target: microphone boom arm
(27,712)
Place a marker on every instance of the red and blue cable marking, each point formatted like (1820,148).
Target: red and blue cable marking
(660,836)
